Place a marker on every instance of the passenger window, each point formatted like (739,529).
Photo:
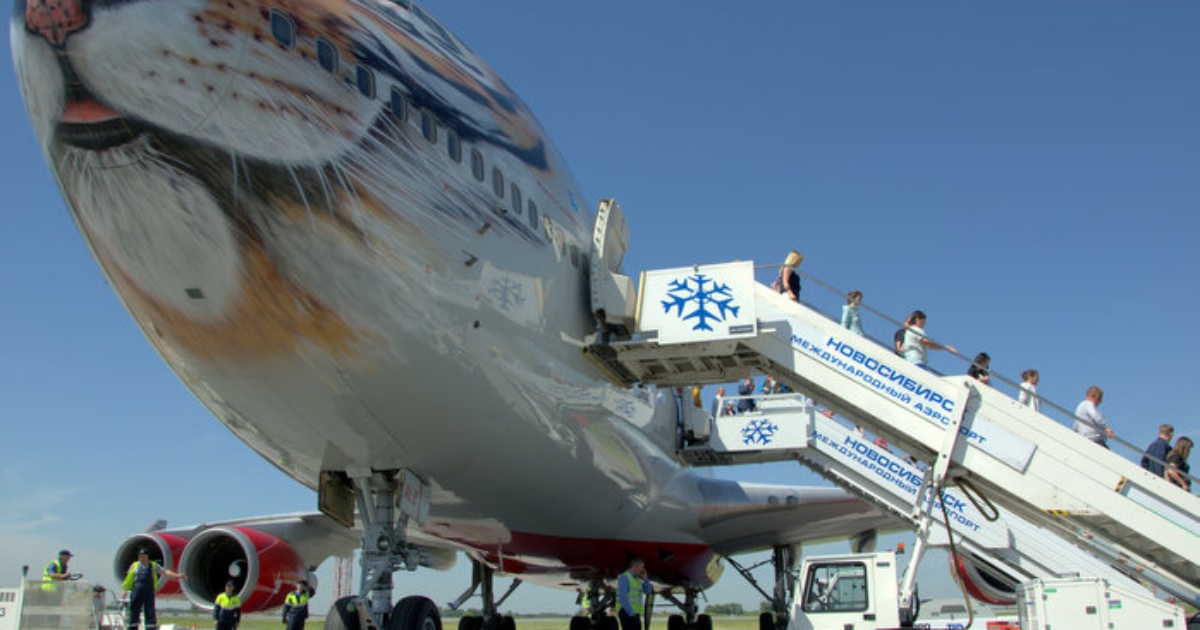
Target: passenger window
(497,182)
(399,105)
(453,145)
(533,215)
(428,126)
(366,81)
(574,256)
(283,29)
(516,198)
(327,55)
(477,164)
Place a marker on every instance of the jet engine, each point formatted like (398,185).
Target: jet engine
(982,581)
(161,547)
(264,568)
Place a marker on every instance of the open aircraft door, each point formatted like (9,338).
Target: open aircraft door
(613,294)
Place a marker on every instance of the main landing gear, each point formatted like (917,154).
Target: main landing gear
(784,559)
(482,579)
(689,620)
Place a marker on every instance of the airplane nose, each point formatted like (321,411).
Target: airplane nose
(54,20)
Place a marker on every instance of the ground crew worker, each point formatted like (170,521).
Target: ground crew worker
(141,582)
(227,609)
(295,606)
(56,571)
(632,589)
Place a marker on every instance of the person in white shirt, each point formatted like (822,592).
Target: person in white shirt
(916,344)
(1089,422)
(1028,394)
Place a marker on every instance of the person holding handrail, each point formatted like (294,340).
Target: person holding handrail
(917,345)
(1089,422)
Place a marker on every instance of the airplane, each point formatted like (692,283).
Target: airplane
(359,249)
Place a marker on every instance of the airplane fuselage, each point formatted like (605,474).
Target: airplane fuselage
(356,245)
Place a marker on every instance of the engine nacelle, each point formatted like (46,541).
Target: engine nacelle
(263,567)
(982,581)
(163,548)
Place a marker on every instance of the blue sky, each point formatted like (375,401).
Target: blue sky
(1024,172)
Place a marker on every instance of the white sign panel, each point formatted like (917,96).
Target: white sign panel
(702,303)
(760,430)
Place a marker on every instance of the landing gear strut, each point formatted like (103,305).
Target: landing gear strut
(689,620)
(482,577)
(384,551)
(783,560)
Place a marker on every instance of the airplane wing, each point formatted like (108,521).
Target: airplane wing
(743,517)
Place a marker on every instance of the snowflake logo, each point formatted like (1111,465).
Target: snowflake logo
(759,432)
(507,293)
(713,303)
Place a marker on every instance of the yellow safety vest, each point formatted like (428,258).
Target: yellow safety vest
(48,583)
(638,602)
(293,600)
(128,583)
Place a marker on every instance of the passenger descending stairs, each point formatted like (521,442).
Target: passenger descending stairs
(715,324)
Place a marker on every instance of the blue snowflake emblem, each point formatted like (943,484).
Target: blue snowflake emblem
(759,432)
(507,292)
(710,300)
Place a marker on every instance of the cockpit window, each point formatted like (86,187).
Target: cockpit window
(283,29)
(327,55)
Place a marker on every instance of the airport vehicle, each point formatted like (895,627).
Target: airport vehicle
(360,251)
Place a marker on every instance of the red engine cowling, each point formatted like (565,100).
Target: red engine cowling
(163,548)
(264,568)
(982,581)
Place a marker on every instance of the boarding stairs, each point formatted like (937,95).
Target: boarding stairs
(715,324)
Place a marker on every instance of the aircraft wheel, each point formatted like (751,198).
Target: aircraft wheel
(508,623)
(470,622)
(608,622)
(579,622)
(343,615)
(703,622)
(414,613)
(766,621)
(676,622)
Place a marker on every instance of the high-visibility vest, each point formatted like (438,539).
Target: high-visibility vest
(48,582)
(293,600)
(637,599)
(128,583)
(227,608)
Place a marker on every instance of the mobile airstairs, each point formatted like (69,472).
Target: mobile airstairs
(1066,506)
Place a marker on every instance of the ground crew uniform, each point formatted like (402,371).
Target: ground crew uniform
(227,611)
(631,592)
(56,567)
(142,583)
(295,609)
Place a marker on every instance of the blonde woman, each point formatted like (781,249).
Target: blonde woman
(789,280)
